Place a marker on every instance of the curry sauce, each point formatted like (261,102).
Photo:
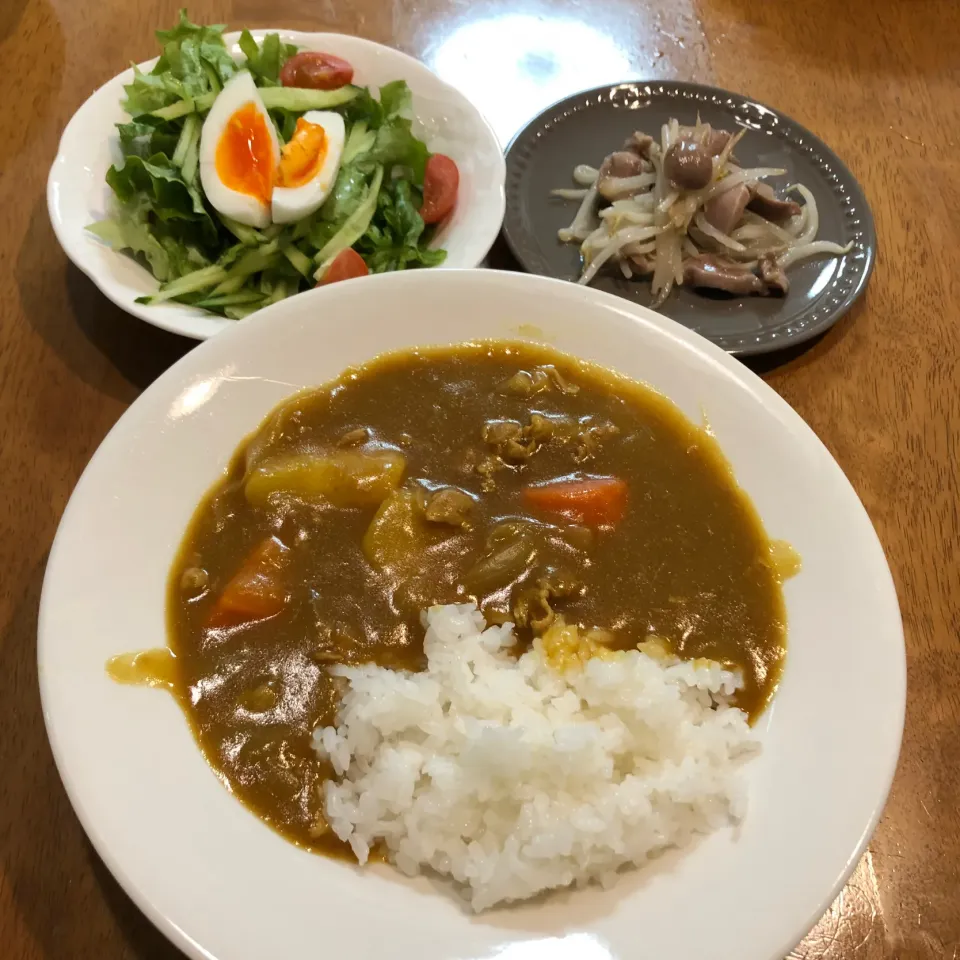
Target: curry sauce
(540,486)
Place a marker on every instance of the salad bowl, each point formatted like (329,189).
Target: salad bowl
(78,196)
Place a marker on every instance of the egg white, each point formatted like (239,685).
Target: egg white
(237,91)
(294,203)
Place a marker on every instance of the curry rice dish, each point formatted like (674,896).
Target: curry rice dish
(579,506)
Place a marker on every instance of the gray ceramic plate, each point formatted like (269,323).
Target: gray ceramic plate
(586,127)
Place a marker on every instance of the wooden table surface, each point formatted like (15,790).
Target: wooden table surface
(879,80)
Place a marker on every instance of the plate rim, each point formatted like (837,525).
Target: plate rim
(865,212)
(180,318)
(758,389)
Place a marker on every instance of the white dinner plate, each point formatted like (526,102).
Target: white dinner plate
(222,885)
(77,194)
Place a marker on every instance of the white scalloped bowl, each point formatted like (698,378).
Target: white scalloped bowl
(77,194)
(222,885)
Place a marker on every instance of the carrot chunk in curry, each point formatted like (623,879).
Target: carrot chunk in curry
(256,590)
(594,501)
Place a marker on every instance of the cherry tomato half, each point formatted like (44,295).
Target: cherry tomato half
(316,71)
(440,183)
(344,266)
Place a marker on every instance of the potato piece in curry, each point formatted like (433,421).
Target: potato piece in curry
(509,473)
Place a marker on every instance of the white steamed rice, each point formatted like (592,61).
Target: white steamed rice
(511,778)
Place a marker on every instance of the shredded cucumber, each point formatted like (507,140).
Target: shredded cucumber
(299,99)
(280,292)
(244,310)
(360,140)
(259,258)
(354,227)
(231,300)
(212,77)
(294,99)
(189,283)
(183,108)
(192,159)
(301,262)
(246,235)
(189,133)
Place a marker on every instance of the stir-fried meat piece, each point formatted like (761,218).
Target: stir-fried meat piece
(527,383)
(542,428)
(558,380)
(449,505)
(716,141)
(194,581)
(354,438)
(262,698)
(486,468)
(499,432)
(337,642)
(622,163)
(772,274)
(766,203)
(643,263)
(725,209)
(688,165)
(618,165)
(640,144)
(507,437)
(590,439)
(532,605)
(717,273)
(516,443)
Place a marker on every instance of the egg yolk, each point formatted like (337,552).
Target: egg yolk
(244,159)
(302,157)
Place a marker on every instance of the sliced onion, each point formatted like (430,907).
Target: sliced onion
(770,250)
(713,233)
(750,231)
(727,151)
(634,215)
(676,257)
(585,175)
(573,193)
(794,226)
(817,249)
(682,212)
(619,240)
(740,176)
(640,201)
(754,220)
(659,188)
(595,241)
(583,221)
(618,187)
(638,249)
(812,223)
(666,264)
(668,201)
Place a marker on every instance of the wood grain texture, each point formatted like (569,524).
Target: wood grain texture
(879,80)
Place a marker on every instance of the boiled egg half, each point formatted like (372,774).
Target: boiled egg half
(246,174)
(239,153)
(308,165)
